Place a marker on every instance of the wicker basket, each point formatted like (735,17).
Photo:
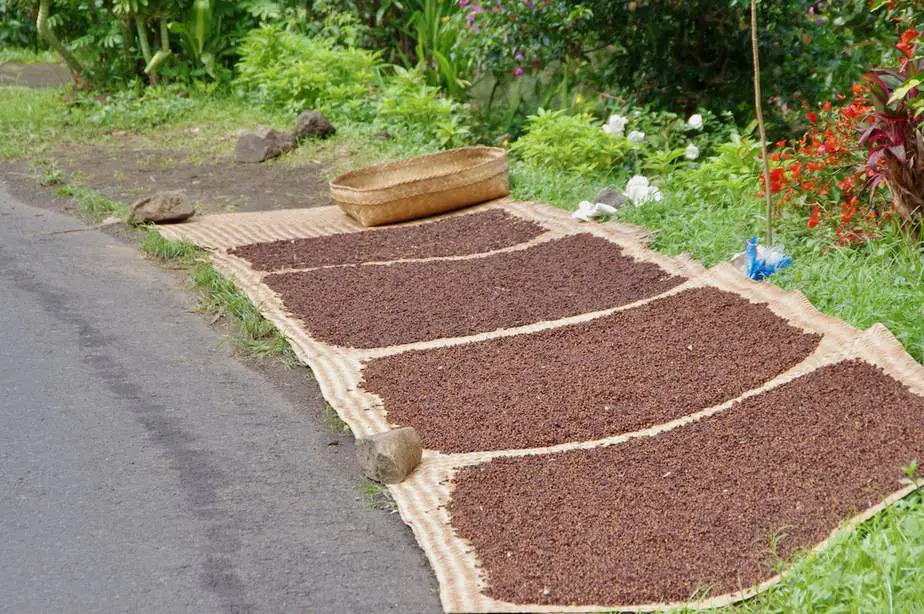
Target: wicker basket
(418,187)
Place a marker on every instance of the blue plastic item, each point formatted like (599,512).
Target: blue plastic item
(763,262)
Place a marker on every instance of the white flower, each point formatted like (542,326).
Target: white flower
(616,125)
(587,211)
(639,190)
(691,152)
(636,137)
(696,121)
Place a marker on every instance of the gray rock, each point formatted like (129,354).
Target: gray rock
(612,197)
(262,144)
(313,125)
(391,456)
(161,208)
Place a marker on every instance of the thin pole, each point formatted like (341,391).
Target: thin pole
(760,121)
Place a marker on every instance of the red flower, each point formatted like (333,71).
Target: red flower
(905,44)
(826,107)
(776,181)
(815,217)
(811,116)
(795,169)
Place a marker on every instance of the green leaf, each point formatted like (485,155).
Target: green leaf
(901,92)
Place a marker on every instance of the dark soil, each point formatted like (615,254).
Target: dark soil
(454,236)
(34,75)
(621,373)
(659,518)
(126,173)
(382,305)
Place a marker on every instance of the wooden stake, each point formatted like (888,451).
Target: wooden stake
(760,121)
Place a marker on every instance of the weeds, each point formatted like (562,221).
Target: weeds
(333,421)
(47,172)
(377,496)
(220,297)
(91,205)
(156,246)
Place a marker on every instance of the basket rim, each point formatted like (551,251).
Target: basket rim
(496,155)
(392,201)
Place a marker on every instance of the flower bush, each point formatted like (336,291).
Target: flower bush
(894,136)
(863,161)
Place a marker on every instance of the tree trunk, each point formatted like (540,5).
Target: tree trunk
(78,72)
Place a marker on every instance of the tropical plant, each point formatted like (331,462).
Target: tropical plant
(558,141)
(293,72)
(893,134)
(415,112)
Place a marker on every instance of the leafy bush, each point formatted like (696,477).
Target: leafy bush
(136,109)
(293,72)
(681,55)
(894,136)
(415,112)
(562,142)
(17,24)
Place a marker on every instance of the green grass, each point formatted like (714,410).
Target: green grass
(333,421)
(377,496)
(878,567)
(156,246)
(27,56)
(221,298)
(91,205)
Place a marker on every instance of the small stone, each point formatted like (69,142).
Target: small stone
(391,456)
(612,197)
(161,208)
(313,125)
(262,144)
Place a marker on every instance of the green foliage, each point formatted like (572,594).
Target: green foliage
(293,72)
(156,246)
(137,109)
(437,26)
(17,25)
(683,55)
(219,296)
(557,141)
(707,210)
(416,113)
(91,204)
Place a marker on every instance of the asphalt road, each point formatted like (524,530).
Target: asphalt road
(144,469)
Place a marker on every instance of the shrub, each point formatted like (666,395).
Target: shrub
(415,112)
(292,72)
(563,142)
(682,55)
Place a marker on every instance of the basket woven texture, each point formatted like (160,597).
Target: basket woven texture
(422,186)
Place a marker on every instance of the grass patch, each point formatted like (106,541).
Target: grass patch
(156,246)
(91,205)
(333,421)
(875,568)
(20,55)
(377,496)
(221,298)
(564,190)
(47,172)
